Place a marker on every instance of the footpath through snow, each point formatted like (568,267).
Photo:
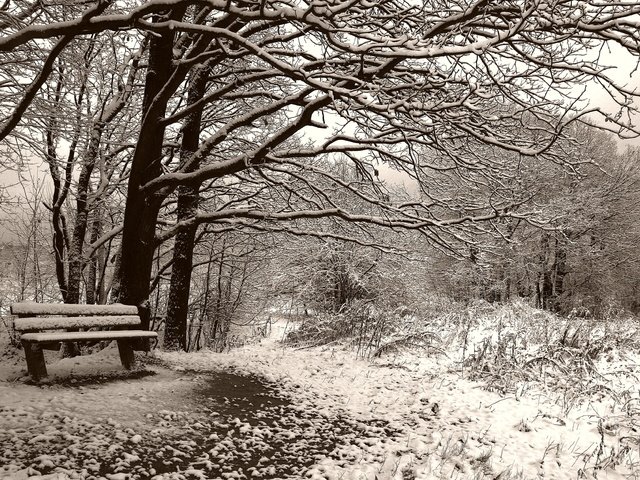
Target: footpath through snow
(265,411)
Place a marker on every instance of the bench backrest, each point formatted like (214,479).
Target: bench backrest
(51,316)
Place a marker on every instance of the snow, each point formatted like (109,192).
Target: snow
(93,335)
(52,323)
(406,416)
(33,308)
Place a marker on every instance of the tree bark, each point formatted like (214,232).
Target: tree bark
(560,271)
(92,274)
(175,334)
(76,262)
(60,191)
(141,211)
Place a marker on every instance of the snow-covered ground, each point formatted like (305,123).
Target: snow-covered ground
(270,411)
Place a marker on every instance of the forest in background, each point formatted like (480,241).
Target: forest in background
(584,263)
(234,158)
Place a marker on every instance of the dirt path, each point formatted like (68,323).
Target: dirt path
(163,422)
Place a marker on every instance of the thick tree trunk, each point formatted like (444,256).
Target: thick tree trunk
(175,334)
(141,211)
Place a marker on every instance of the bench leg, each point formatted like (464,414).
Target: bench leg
(35,360)
(126,353)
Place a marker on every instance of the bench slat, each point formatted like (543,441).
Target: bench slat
(82,336)
(52,323)
(32,308)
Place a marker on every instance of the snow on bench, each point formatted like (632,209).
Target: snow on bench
(33,318)
(23,309)
(85,336)
(51,323)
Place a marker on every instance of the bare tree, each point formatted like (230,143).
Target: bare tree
(581,260)
(367,83)
(84,146)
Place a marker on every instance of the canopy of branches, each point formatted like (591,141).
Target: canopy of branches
(280,115)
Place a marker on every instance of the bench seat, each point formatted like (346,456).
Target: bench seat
(54,323)
(37,320)
(48,337)
(33,308)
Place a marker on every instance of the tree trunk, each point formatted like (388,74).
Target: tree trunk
(560,271)
(175,334)
(546,280)
(141,211)
(217,329)
(60,191)
(92,274)
(76,263)
(102,284)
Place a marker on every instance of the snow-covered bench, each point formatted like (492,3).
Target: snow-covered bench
(36,320)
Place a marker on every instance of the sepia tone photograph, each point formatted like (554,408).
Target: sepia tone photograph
(319,239)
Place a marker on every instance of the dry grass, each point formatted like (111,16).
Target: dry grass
(510,345)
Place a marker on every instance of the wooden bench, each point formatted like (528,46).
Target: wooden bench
(36,320)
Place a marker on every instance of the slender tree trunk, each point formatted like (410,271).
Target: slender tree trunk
(102,285)
(83,200)
(175,334)
(204,312)
(546,280)
(60,190)
(76,261)
(92,273)
(560,271)
(38,293)
(218,327)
